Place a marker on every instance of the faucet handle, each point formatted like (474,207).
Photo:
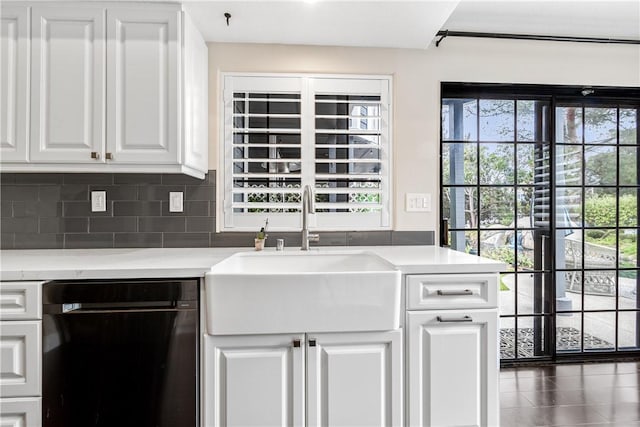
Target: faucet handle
(314,237)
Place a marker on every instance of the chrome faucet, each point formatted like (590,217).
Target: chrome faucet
(307,208)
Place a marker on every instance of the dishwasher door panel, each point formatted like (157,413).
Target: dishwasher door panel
(121,368)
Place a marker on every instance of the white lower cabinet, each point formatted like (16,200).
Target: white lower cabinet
(453,367)
(336,379)
(254,380)
(20,412)
(20,354)
(20,358)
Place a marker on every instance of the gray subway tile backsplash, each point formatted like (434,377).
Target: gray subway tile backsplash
(88,240)
(137,208)
(42,211)
(113,224)
(185,240)
(38,240)
(137,240)
(167,224)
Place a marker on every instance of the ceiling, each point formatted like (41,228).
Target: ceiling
(407,24)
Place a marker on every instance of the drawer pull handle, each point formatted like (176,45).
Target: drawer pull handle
(296,343)
(454,319)
(454,293)
(312,343)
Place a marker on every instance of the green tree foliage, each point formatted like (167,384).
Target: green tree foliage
(602,210)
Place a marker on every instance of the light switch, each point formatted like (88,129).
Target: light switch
(175,201)
(98,201)
(418,202)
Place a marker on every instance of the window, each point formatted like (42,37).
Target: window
(283,132)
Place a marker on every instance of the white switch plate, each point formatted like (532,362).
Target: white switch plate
(98,201)
(175,201)
(418,202)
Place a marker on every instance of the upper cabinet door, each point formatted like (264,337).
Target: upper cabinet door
(67,84)
(142,77)
(14,72)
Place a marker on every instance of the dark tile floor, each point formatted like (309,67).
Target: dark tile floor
(591,394)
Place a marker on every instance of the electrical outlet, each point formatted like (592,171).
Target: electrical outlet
(98,201)
(418,202)
(175,201)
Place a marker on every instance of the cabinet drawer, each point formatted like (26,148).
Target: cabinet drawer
(451,291)
(20,358)
(21,412)
(20,300)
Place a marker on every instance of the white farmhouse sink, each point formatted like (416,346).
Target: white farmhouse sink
(285,292)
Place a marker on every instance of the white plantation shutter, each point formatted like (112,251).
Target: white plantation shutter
(282,133)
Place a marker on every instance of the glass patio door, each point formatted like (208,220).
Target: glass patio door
(496,194)
(550,187)
(596,245)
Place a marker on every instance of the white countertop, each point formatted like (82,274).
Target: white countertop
(56,264)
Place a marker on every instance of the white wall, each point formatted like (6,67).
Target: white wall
(417,76)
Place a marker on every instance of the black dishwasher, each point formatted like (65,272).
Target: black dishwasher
(120,353)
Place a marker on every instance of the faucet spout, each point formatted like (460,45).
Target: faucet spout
(308,207)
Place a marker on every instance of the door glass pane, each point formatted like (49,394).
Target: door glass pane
(526,163)
(628,330)
(507,293)
(601,165)
(459,163)
(496,164)
(525,202)
(507,338)
(628,165)
(628,247)
(568,159)
(628,203)
(600,248)
(497,244)
(526,337)
(459,119)
(460,205)
(599,289)
(599,331)
(569,125)
(497,120)
(531,292)
(600,125)
(568,209)
(568,333)
(628,290)
(529,123)
(600,207)
(628,126)
(497,207)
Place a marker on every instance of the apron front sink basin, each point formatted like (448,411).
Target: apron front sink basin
(294,292)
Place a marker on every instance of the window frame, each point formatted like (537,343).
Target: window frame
(308,86)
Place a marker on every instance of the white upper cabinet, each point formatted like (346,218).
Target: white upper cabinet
(14,84)
(67,84)
(142,77)
(115,87)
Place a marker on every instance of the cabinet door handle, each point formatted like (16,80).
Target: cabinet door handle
(454,293)
(312,343)
(454,319)
(95,155)
(296,343)
(108,156)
